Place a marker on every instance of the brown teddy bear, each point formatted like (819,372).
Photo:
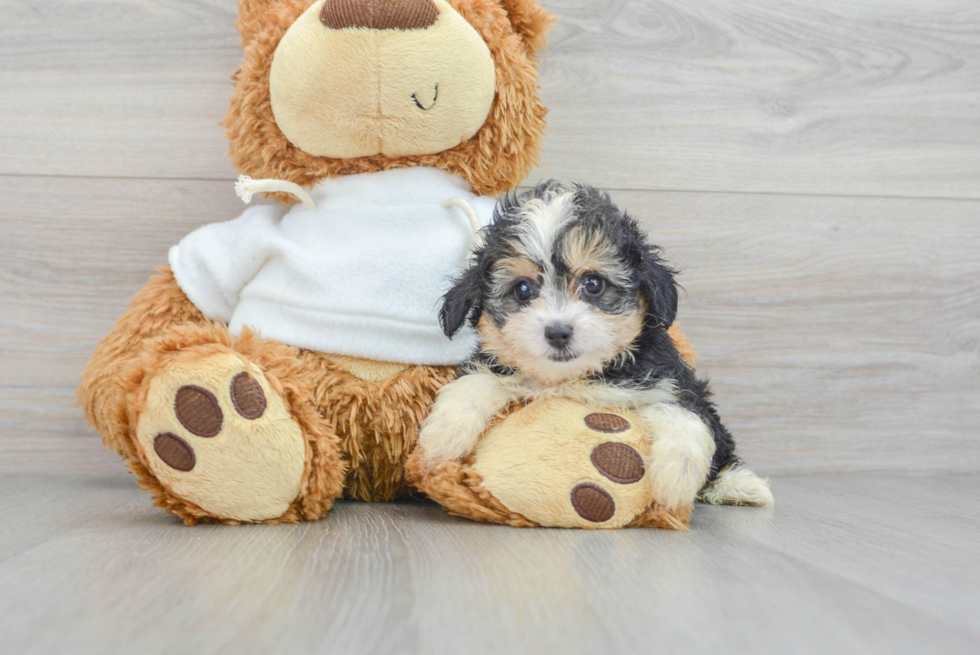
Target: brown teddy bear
(395,122)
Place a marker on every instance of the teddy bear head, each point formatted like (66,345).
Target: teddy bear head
(338,87)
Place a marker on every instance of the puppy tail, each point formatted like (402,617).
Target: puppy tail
(737,486)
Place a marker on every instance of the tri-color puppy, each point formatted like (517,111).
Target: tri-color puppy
(569,299)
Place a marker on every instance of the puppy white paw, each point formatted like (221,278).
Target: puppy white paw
(446,436)
(737,486)
(461,413)
(676,481)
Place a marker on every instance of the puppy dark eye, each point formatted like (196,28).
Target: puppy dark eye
(593,285)
(523,291)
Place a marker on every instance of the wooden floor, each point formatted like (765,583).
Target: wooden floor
(845,563)
(812,166)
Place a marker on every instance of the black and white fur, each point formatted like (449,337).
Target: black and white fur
(569,299)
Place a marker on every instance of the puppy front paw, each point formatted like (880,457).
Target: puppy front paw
(676,481)
(448,436)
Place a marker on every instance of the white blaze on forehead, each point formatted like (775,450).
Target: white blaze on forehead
(543,220)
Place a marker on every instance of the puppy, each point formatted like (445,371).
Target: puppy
(569,299)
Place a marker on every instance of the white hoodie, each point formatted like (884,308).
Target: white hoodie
(361,275)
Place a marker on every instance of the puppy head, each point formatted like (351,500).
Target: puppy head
(563,284)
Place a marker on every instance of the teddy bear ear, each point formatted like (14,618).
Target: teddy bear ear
(531,21)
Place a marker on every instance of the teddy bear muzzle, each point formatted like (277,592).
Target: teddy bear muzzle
(395,78)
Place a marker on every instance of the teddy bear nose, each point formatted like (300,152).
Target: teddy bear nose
(379,14)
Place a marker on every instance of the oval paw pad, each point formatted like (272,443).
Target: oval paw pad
(593,503)
(198,411)
(618,462)
(247,396)
(175,452)
(609,423)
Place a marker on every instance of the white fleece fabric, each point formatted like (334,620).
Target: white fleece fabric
(361,275)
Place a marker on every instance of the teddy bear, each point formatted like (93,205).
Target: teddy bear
(287,357)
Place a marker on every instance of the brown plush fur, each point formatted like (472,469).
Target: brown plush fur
(495,160)
(457,487)
(157,307)
(683,344)
(657,517)
(531,21)
(377,422)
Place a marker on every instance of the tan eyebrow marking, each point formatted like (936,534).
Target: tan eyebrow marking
(592,252)
(515,267)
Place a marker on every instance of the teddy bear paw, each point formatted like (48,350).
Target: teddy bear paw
(559,463)
(216,434)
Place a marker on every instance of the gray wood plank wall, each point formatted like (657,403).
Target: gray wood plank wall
(813,166)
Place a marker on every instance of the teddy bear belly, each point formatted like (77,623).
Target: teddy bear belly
(560,463)
(374,408)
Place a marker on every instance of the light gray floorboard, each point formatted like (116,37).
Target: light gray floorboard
(832,568)
(840,333)
(809,96)
(40,505)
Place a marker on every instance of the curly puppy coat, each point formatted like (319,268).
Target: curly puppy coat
(570,300)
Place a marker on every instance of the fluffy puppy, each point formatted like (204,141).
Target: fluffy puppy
(569,299)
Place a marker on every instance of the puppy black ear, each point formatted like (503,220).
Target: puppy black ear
(460,301)
(658,286)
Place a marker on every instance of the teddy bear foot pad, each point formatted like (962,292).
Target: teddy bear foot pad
(555,463)
(214,433)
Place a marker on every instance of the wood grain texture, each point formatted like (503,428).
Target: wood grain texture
(875,97)
(133,88)
(841,334)
(840,565)
(808,96)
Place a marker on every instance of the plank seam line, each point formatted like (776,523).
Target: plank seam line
(802,194)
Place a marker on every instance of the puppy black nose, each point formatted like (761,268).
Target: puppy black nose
(558,335)
(379,14)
